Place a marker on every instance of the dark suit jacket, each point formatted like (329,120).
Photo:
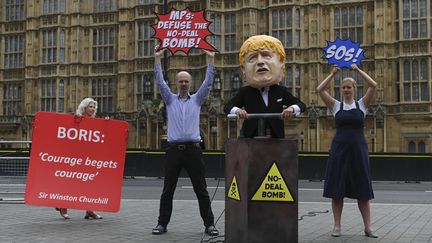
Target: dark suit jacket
(251,100)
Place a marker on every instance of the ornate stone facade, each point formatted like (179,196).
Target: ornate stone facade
(56,52)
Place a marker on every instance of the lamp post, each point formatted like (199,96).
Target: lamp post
(217,85)
(236,82)
(301,139)
(213,130)
(148,88)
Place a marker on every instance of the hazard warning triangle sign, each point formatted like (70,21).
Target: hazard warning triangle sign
(233,191)
(273,187)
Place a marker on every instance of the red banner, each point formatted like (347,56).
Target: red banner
(76,162)
(181,30)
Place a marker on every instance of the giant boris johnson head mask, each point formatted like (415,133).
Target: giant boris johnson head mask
(262,61)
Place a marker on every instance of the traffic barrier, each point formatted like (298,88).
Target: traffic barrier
(150,163)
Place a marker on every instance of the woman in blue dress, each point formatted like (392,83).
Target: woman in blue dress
(348,170)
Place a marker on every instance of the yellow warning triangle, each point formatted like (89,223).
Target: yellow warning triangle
(273,187)
(233,190)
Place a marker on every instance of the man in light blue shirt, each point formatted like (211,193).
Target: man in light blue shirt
(184,150)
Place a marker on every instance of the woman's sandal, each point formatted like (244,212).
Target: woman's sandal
(63,212)
(92,215)
(370,234)
(336,232)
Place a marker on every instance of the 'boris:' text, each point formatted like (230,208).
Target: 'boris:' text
(80,134)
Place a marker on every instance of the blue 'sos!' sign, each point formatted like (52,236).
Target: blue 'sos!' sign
(343,53)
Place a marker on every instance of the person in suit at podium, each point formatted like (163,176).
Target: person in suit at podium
(183,149)
(348,170)
(262,61)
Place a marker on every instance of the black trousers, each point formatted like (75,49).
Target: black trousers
(189,157)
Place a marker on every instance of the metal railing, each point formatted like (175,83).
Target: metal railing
(12,163)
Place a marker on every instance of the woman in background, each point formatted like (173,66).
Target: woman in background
(87,108)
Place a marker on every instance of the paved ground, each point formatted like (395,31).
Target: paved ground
(401,212)
(22,223)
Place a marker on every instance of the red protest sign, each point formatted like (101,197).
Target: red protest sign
(76,162)
(181,30)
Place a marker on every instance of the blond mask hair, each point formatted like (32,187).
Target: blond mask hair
(259,42)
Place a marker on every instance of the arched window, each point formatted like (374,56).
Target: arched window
(344,17)
(215,28)
(424,92)
(217,84)
(62,47)
(297,82)
(102,92)
(359,16)
(297,24)
(411,147)
(62,6)
(236,81)
(61,88)
(337,17)
(352,16)
(282,19)
(422,8)
(415,85)
(61,96)
(147,85)
(407,71)
(414,70)
(406,9)
(282,25)
(348,23)
(292,80)
(423,69)
(414,19)
(144,41)
(230,32)
(414,9)
(289,78)
(275,19)
(195,81)
(421,147)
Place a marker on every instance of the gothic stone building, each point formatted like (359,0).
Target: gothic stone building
(53,53)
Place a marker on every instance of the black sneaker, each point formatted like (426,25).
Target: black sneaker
(159,229)
(211,230)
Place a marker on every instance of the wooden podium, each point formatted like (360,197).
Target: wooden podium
(261,191)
